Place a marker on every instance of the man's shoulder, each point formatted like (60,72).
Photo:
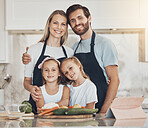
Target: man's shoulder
(102,41)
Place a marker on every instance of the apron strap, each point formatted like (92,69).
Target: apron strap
(77,46)
(64,51)
(92,41)
(44,47)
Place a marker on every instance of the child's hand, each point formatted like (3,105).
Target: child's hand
(35,93)
(39,110)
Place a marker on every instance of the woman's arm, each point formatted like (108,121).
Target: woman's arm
(40,103)
(90,105)
(65,98)
(32,89)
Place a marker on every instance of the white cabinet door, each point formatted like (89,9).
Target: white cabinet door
(2,47)
(2,34)
(32,14)
(4,52)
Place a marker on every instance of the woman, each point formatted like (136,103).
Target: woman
(51,45)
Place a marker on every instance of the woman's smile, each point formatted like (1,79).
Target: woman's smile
(58,26)
(58,31)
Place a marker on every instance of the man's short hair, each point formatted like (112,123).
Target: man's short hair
(74,7)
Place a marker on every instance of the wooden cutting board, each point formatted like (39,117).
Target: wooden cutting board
(67,116)
(3,114)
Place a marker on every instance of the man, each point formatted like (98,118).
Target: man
(97,54)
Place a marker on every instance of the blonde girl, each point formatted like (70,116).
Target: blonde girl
(82,90)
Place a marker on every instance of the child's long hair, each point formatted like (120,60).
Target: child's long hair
(77,62)
(59,78)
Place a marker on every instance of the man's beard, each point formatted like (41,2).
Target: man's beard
(81,32)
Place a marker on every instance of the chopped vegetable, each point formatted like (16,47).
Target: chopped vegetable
(47,111)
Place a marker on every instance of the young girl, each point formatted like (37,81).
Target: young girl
(52,90)
(82,90)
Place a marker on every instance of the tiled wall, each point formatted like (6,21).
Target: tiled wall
(133,74)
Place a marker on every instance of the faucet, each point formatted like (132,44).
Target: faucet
(7,79)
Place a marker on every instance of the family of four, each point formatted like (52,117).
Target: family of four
(50,65)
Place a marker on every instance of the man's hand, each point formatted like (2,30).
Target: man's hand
(102,115)
(26,57)
(35,95)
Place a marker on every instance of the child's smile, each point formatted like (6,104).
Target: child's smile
(50,71)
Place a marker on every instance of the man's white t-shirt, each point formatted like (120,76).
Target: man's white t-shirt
(83,94)
(35,51)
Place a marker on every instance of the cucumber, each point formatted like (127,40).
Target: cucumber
(60,111)
(79,111)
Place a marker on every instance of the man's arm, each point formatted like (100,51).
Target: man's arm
(112,73)
(40,103)
(32,89)
(26,57)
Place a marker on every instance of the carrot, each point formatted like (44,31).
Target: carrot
(44,109)
(48,114)
(83,107)
(47,111)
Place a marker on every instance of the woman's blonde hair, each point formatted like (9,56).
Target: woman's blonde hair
(47,30)
(77,62)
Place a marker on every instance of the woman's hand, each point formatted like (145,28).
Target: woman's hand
(35,93)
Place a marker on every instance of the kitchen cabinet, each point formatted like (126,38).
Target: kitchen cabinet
(4,47)
(32,14)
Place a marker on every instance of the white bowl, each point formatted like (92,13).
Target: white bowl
(15,110)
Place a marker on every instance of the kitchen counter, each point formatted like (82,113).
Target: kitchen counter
(96,121)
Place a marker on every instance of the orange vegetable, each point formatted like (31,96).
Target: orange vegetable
(83,107)
(48,114)
(70,107)
(44,109)
(49,110)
